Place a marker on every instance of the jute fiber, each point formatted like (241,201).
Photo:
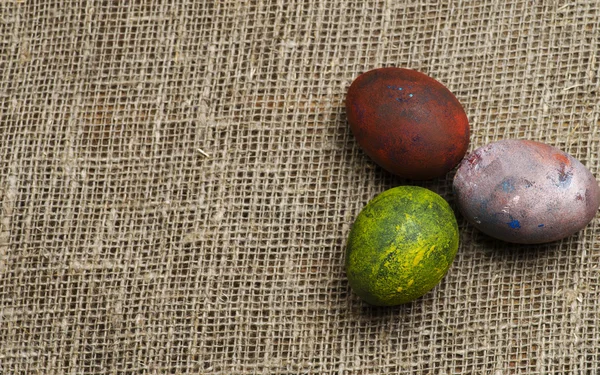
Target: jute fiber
(125,249)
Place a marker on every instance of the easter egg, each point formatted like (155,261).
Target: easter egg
(525,192)
(408,123)
(400,246)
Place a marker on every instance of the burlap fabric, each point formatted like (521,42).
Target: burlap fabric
(125,250)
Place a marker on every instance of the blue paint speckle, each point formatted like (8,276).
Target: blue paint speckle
(508,186)
(389,87)
(399,88)
(541,225)
(410,95)
(514,224)
(564,179)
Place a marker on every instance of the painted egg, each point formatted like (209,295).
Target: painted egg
(525,192)
(407,122)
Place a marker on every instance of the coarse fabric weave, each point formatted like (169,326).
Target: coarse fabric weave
(124,249)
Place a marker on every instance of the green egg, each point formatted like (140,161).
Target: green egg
(400,246)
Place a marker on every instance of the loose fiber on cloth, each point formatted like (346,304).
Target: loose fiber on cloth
(125,250)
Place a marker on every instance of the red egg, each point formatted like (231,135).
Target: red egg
(407,122)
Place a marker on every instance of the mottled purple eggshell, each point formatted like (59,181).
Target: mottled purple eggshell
(525,192)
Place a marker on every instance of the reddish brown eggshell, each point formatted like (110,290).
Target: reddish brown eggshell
(407,122)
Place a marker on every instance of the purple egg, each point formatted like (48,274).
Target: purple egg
(525,192)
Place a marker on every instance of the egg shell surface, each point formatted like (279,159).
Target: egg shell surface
(526,192)
(407,122)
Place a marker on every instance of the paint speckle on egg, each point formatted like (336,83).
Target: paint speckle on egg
(525,192)
(408,123)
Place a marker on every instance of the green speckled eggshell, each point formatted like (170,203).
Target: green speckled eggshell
(401,246)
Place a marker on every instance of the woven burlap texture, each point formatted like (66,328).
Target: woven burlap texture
(124,249)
